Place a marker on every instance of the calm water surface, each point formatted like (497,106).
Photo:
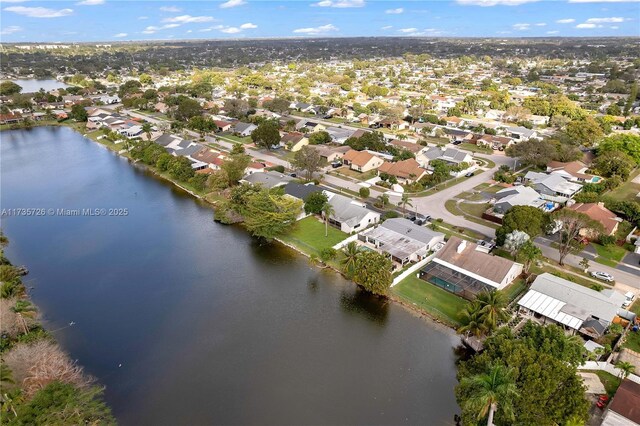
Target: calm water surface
(32,85)
(209,327)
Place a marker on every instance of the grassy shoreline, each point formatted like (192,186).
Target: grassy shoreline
(207,198)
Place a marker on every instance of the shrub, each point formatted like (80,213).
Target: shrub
(364,192)
(607,240)
(390,215)
(279,168)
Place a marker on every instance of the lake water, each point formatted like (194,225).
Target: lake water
(31,85)
(209,327)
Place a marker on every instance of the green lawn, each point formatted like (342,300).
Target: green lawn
(474,148)
(356,174)
(433,300)
(627,191)
(474,209)
(309,237)
(633,341)
(514,289)
(611,252)
(234,138)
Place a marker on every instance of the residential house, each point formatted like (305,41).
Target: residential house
(412,147)
(553,186)
(268,179)
(518,196)
(11,118)
(456,135)
(223,126)
(339,135)
(244,129)
(405,171)
(311,126)
(521,133)
(494,142)
(255,167)
(624,409)
(451,156)
(350,215)
(294,141)
(361,161)
(573,171)
(454,121)
(402,239)
(331,153)
(599,213)
(574,307)
(459,267)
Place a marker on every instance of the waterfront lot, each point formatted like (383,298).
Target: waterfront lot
(309,237)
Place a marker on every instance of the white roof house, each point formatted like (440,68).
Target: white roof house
(572,305)
(517,196)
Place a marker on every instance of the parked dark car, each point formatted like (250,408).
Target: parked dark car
(457,142)
(470,174)
(336,164)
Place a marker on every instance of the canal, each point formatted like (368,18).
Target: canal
(186,321)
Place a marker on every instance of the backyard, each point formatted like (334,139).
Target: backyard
(435,301)
(628,191)
(309,237)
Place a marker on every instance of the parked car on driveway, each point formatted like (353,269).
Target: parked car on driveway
(602,276)
(470,174)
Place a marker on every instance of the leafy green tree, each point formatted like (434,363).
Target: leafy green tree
(269,215)
(309,160)
(8,88)
(528,219)
(572,223)
(146,128)
(318,138)
(180,169)
(78,113)
(493,306)
(202,125)
(527,254)
(266,134)
(145,79)
(327,254)
(314,202)
(533,152)
(472,320)
(187,108)
(627,143)
(61,403)
(373,272)
(364,192)
(278,105)
(586,132)
(128,88)
(633,94)
(614,163)
(234,167)
(490,391)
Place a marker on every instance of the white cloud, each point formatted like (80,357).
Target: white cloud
(151,29)
(582,26)
(231,30)
(340,3)
(541,24)
(565,21)
(323,29)
(397,11)
(604,1)
(521,27)
(232,3)
(553,32)
(248,26)
(10,30)
(14,1)
(387,27)
(187,19)
(605,20)
(120,35)
(171,9)
(39,12)
(205,30)
(488,3)
(90,2)
(407,30)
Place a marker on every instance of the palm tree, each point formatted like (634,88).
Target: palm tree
(384,199)
(405,201)
(350,251)
(492,306)
(472,320)
(489,391)
(146,127)
(327,212)
(626,368)
(24,309)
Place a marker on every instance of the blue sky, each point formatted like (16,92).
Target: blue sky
(107,20)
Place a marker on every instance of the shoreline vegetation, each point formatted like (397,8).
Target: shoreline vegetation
(213,202)
(40,383)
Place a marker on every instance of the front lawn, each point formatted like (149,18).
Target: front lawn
(234,138)
(356,174)
(611,252)
(435,301)
(475,148)
(308,236)
(627,191)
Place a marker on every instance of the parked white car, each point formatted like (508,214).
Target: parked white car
(629,297)
(602,276)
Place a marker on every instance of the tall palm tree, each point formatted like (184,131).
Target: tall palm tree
(626,368)
(489,391)
(327,212)
(24,309)
(493,308)
(405,201)
(350,251)
(384,199)
(146,127)
(472,320)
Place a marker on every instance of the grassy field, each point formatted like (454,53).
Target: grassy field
(610,252)
(627,191)
(435,301)
(233,138)
(309,237)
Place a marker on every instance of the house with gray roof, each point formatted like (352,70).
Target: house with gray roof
(553,185)
(244,129)
(268,179)
(402,239)
(451,156)
(339,135)
(350,215)
(517,196)
(574,307)
(521,133)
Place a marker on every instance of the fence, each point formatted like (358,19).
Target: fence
(413,269)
